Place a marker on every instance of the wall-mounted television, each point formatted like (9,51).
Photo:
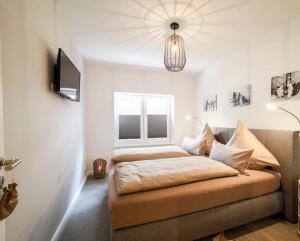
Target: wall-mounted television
(67,78)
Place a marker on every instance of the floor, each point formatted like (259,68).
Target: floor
(89,221)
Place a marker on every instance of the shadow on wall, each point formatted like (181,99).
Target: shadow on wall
(51,70)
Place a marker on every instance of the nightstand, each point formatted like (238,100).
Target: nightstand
(299,206)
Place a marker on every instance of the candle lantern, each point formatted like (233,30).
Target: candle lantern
(99,168)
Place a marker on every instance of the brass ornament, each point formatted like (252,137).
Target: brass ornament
(8,201)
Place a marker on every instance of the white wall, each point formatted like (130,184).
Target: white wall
(40,127)
(103,79)
(275,53)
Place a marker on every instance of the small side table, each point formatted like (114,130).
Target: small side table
(299,206)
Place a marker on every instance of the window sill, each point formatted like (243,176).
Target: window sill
(124,145)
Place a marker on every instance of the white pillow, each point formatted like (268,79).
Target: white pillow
(233,157)
(208,136)
(194,146)
(243,138)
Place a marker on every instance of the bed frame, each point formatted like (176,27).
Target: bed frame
(285,145)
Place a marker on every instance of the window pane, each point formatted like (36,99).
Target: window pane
(142,117)
(157,105)
(128,105)
(157,126)
(157,109)
(129,115)
(129,126)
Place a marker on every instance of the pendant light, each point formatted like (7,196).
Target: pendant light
(174,51)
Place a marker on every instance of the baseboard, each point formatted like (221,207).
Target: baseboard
(2,230)
(67,214)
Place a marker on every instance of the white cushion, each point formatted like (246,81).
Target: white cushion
(194,146)
(233,157)
(244,138)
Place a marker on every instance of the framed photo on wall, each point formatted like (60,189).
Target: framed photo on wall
(286,86)
(240,96)
(210,103)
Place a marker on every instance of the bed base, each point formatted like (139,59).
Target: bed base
(203,223)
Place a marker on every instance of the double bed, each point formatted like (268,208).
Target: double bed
(197,209)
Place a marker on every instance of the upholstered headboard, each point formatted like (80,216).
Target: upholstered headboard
(285,146)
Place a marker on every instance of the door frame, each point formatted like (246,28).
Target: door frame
(2,223)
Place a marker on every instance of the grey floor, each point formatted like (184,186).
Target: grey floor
(89,218)
(89,221)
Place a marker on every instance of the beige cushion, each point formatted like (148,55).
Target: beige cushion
(194,146)
(243,138)
(233,157)
(207,135)
(147,153)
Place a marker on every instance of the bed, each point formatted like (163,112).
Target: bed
(198,209)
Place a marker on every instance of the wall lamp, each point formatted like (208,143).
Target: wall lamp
(273,107)
(189,118)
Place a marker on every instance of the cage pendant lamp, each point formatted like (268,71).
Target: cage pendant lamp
(174,57)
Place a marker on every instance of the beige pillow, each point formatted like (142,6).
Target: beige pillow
(208,136)
(233,157)
(243,138)
(194,146)
(147,153)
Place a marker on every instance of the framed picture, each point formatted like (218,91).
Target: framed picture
(240,96)
(286,86)
(210,103)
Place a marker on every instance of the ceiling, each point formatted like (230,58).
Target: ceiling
(134,31)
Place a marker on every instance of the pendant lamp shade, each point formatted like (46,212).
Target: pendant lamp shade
(174,57)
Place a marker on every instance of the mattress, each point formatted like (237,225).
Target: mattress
(149,206)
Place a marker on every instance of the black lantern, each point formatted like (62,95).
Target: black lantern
(174,51)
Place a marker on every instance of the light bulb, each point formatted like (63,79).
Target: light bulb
(271,106)
(174,48)
(188,117)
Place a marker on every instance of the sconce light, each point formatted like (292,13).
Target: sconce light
(273,107)
(189,118)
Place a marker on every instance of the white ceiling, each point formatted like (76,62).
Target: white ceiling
(133,31)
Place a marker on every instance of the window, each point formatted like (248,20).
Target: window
(143,119)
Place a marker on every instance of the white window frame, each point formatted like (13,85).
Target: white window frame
(144,140)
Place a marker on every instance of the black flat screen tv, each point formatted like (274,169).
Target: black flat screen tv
(67,78)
